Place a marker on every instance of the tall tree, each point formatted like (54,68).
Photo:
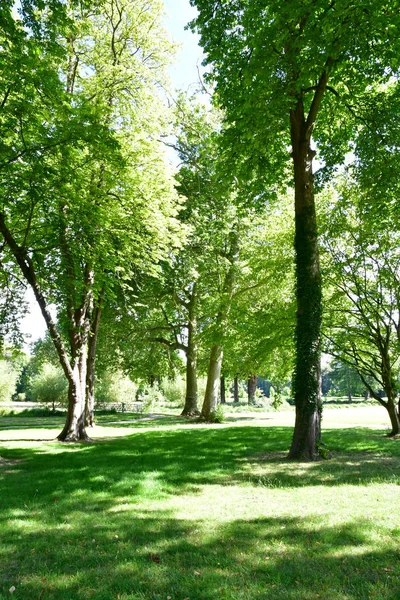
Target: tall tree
(279,68)
(84,188)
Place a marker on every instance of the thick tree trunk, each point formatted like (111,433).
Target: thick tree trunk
(236,389)
(222,389)
(213,379)
(251,389)
(307,374)
(74,428)
(191,399)
(191,407)
(91,363)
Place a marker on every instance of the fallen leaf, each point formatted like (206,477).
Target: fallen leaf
(153,557)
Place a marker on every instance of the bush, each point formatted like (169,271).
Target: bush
(8,380)
(115,387)
(174,390)
(149,396)
(218,416)
(49,386)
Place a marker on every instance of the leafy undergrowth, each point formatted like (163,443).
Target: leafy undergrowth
(175,512)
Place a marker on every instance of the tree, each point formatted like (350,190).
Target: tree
(86,196)
(363,319)
(259,339)
(280,68)
(345,381)
(49,386)
(8,380)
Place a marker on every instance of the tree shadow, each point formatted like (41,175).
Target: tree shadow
(183,459)
(152,555)
(82,521)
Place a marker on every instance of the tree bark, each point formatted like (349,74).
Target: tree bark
(236,389)
(191,399)
(307,375)
(394,417)
(214,370)
(91,363)
(74,428)
(222,389)
(213,379)
(390,387)
(349,396)
(251,389)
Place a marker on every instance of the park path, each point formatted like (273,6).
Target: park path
(149,417)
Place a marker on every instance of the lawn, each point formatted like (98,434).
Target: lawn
(168,510)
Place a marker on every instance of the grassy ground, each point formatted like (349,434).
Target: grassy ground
(165,510)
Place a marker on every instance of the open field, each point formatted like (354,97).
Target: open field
(163,509)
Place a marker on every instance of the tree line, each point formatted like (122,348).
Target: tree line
(142,267)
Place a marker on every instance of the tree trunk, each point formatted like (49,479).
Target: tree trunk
(251,389)
(91,363)
(394,417)
(390,391)
(74,428)
(349,396)
(222,389)
(307,374)
(236,389)
(191,398)
(213,379)
(214,369)
(390,387)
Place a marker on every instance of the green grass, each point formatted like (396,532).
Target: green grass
(166,509)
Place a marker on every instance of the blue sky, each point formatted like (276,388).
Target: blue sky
(184,72)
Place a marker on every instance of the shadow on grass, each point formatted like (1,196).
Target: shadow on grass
(151,555)
(181,460)
(83,521)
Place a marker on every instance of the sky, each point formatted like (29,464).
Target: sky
(184,75)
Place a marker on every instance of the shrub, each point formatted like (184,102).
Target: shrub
(8,380)
(218,416)
(115,387)
(174,390)
(149,395)
(49,386)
